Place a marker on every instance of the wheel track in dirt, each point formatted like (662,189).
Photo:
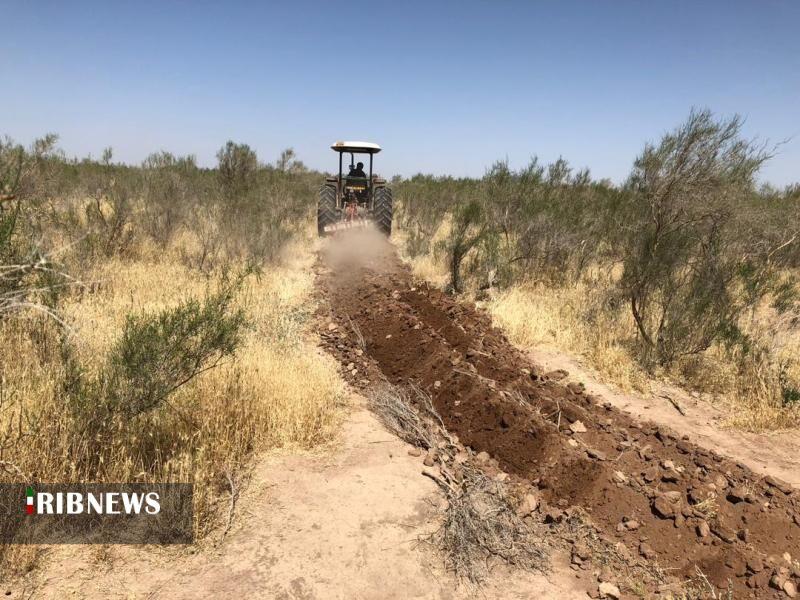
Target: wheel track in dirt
(495,400)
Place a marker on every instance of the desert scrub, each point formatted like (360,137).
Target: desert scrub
(658,278)
(275,390)
(134,358)
(130,349)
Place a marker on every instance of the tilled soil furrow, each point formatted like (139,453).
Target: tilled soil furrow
(651,492)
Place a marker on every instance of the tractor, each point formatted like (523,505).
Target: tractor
(355,199)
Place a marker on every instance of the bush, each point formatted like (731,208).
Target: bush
(155,355)
(686,258)
(29,280)
(170,186)
(469,229)
(236,168)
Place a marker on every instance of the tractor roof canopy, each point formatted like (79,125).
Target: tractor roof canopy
(356,147)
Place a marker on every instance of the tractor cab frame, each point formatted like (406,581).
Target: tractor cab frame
(353,188)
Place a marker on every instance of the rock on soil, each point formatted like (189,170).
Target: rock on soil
(663,507)
(608,590)
(703,530)
(577,427)
(528,505)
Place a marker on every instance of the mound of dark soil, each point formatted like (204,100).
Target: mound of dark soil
(667,501)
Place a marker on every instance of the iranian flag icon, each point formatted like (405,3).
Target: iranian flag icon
(30,495)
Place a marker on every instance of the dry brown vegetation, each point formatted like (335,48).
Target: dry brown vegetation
(481,521)
(687,272)
(155,322)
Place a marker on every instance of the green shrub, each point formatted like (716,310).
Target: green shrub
(687,257)
(237,165)
(154,356)
(157,354)
(470,227)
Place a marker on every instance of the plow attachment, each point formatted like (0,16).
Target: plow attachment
(354,214)
(346,225)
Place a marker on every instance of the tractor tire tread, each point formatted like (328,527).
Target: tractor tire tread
(382,210)
(326,208)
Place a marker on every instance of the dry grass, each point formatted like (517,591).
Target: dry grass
(280,391)
(480,525)
(573,320)
(429,266)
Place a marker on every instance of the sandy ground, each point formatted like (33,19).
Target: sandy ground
(341,524)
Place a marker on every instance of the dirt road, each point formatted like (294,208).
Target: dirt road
(656,498)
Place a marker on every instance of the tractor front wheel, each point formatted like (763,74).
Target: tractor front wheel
(326,208)
(382,210)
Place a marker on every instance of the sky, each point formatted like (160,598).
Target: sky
(444,87)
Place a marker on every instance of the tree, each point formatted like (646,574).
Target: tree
(287,162)
(684,255)
(469,229)
(237,164)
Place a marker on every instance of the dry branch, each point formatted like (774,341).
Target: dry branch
(480,522)
(396,411)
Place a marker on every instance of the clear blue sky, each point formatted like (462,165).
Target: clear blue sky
(445,87)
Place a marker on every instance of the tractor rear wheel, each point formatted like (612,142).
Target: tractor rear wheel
(382,210)
(326,208)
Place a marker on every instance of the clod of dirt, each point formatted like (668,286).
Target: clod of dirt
(528,505)
(608,590)
(723,532)
(576,388)
(790,589)
(670,477)
(646,551)
(755,564)
(556,375)
(577,427)
(663,507)
(632,525)
(736,494)
(703,529)
(606,575)
(778,484)
(651,474)
(595,454)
